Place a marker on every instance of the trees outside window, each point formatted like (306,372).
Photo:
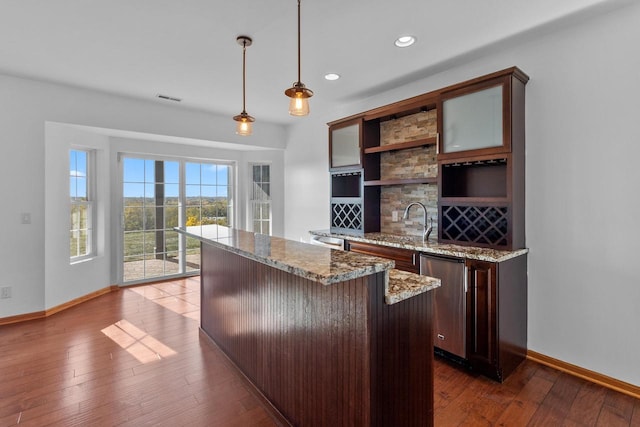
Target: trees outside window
(81,204)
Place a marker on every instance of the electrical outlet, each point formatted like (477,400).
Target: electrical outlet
(25,218)
(394,216)
(5,292)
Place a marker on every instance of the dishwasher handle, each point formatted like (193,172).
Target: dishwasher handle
(465,280)
(442,257)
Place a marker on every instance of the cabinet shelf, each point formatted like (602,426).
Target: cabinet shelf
(490,201)
(402,145)
(401,181)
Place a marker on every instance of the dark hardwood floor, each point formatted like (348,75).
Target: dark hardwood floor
(135,357)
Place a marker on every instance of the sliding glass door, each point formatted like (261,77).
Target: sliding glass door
(209,205)
(159,195)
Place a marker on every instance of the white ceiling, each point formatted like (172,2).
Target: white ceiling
(187,49)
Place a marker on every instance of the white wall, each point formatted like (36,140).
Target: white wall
(306,183)
(26,106)
(64,281)
(582,184)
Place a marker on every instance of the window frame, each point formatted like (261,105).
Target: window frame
(89,204)
(254,202)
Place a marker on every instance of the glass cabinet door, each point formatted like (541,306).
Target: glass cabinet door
(345,146)
(473,121)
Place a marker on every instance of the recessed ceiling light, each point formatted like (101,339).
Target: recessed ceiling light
(332,76)
(405,41)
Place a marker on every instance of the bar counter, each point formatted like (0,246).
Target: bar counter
(317,331)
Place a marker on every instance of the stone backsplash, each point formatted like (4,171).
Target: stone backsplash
(397,197)
(410,163)
(409,128)
(417,162)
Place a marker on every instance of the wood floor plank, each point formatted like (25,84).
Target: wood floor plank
(616,410)
(463,405)
(610,417)
(548,373)
(521,376)
(65,371)
(554,408)
(450,382)
(526,403)
(585,409)
(635,418)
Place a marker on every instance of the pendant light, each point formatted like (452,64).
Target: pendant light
(299,94)
(244,121)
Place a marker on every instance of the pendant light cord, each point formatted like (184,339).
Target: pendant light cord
(298,41)
(244,67)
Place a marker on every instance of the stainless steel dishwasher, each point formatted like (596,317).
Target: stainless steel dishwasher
(449,302)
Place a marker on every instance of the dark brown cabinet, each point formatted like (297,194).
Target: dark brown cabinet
(478,130)
(481,313)
(496,316)
(495,321)
(345,144)
(355,208)
(482,116)
(481,162)
(347,202)
(479,133)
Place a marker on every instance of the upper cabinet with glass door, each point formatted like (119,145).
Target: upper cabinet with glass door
(476,118)
(345,144)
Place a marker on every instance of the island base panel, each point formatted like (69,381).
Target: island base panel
(322,355)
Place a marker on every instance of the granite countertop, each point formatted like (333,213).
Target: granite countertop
(324,265)
(316,263)
(429,247)
(403,285)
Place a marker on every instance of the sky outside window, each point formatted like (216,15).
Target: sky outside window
(78,175)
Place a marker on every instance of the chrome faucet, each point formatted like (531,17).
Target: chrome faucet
(427,229)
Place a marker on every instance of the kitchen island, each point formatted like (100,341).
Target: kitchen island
(327,337)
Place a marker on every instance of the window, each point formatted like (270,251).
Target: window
(81,198)
(260,198)
(208,194)
(160,194)
(150,211)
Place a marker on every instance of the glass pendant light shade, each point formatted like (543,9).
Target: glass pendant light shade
(244,122)
(299,94)
(299,103)
(299,106)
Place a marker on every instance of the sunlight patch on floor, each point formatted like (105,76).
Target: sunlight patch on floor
(179,297)
(137,342)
